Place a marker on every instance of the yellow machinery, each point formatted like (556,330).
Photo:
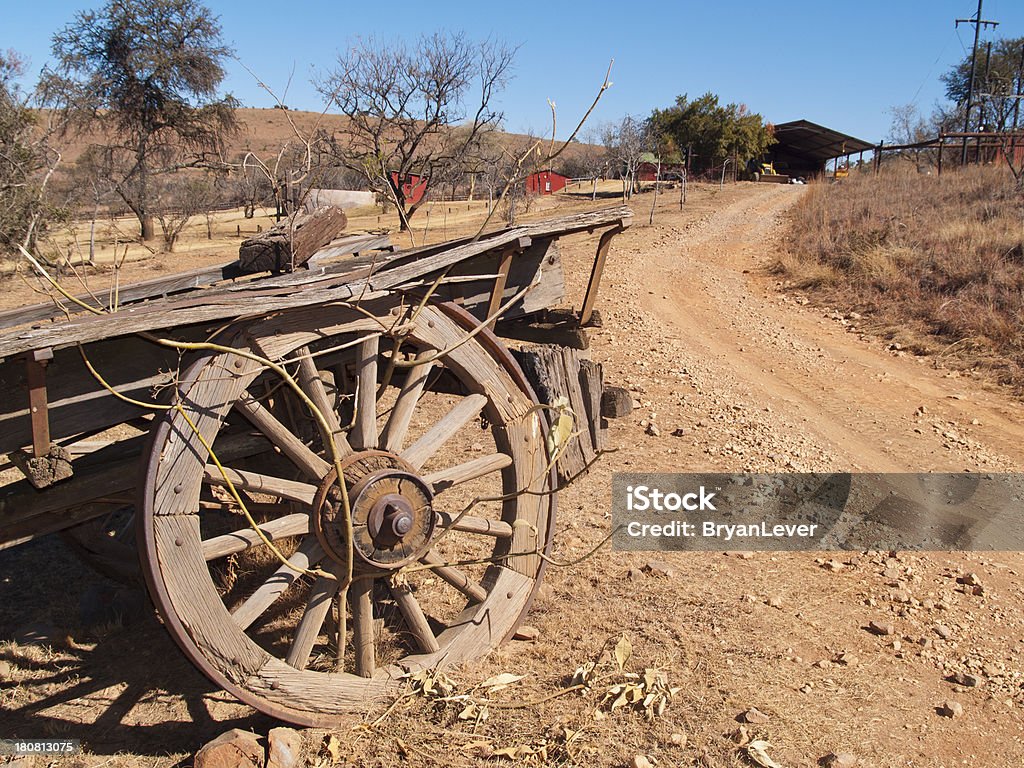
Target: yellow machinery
(767,172)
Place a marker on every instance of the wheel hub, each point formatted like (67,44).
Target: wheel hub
(392,517)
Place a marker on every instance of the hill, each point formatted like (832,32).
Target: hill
(266,131)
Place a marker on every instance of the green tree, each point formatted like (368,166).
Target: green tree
(711,131)
(142,78)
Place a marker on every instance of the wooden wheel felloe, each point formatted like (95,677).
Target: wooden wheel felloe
(425,426)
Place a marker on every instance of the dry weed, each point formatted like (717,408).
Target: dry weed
(935,261)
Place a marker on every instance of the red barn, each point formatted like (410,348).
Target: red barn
(649,171)
(414,186)
(545,182)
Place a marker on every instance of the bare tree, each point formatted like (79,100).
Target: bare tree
(179,198)
(626,143)
(909,127)
(403,105)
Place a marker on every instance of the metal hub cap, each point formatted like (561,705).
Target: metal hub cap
(392,517)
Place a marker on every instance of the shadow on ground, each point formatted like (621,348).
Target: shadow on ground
(82,657)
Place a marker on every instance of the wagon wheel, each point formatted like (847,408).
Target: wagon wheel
(451,423)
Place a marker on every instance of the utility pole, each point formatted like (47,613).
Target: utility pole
(1019,89)
(978,23)
(983,123)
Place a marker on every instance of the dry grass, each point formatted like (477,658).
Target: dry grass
(934,262)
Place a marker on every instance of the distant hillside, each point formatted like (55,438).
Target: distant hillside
(265,131)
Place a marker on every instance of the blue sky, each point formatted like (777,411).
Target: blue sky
(840,64)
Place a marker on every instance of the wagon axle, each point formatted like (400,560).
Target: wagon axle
(391,511)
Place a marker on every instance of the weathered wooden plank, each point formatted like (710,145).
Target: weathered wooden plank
(221,546)
(76,401)
(109,472)
(361,597)
(417,622)
(464,411)
(290,244)
(571,369)
(444,479)
(565,225)
(539,265)
(557,326)
(274,294)
(592,387)
(554,373)
(305,557)
(128,294)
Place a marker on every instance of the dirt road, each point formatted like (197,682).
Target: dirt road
(812,394)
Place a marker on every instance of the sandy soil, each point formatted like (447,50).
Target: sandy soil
(748,377)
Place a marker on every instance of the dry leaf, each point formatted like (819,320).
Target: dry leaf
(474,712)
(431,683)
(332,747)
(756,751)
(482,749)
(498,682)
(623,650)
(561,430)
(584,674)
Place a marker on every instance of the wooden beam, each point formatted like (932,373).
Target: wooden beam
(595,274)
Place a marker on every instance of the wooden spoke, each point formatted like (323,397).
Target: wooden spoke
(497,528)
(306,556)
(341,613)
(241,540)
(419,627)
(471,470)
(465,411)
(253,481)
(361,596)
(313,386)
(302,456)
(393,437)
(456,578)
(320,601)
(364,432)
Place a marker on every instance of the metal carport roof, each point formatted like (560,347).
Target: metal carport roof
(815,141)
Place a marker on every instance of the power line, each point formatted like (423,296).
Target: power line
(932,67)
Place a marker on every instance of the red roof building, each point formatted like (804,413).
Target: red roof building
(414,186)
(545,182)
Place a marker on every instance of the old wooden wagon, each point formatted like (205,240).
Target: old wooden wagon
(271,443)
